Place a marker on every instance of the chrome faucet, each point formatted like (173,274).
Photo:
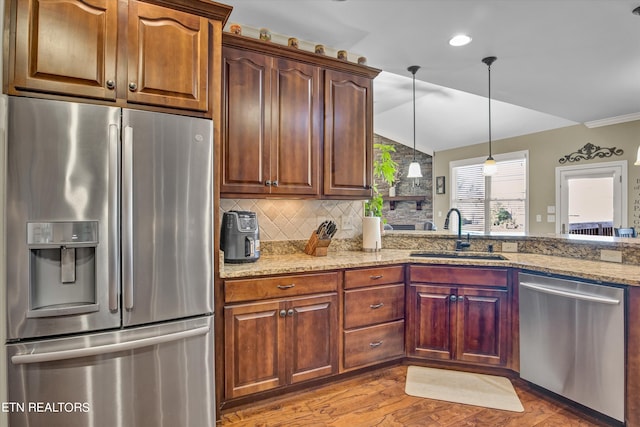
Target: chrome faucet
(460,245)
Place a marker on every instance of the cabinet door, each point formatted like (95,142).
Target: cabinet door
(482,326)
(432,321)
(296,118)
(254,337)
(66,47)
(348,135)
(168,57)
(312,337)
(246,113)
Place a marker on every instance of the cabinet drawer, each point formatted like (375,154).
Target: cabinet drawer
(369,306)
(373,276)
(373,344)
(279,286)
(459,275)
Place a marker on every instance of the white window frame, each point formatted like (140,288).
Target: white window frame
(514,155)
(617,169)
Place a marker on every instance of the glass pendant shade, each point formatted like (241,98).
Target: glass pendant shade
(637,163)
(489,167)
(414,170)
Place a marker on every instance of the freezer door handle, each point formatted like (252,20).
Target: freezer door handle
(114,227)
(568,294)
(21,359)
(127,218)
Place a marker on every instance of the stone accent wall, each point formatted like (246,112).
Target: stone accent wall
(405,212)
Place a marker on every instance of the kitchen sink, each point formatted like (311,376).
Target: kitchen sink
(460,255)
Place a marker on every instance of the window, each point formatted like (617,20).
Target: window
(495,204)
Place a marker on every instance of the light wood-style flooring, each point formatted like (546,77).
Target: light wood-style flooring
(378,399)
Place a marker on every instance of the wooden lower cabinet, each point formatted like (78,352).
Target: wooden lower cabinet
(280,342)
(459,323)
(373,316)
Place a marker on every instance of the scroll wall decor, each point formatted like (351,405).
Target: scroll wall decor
(590,151)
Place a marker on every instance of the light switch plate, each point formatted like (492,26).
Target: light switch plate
(611,256)
(509,246)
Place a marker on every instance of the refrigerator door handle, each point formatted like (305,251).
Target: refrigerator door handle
(127,217)
(114,227)
(21,359)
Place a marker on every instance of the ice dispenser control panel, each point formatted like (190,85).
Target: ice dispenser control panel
(72,233)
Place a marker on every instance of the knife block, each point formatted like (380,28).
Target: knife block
(316,246)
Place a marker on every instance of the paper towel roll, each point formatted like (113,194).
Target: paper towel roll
(371,239)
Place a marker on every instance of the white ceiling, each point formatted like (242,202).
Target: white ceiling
(560,62)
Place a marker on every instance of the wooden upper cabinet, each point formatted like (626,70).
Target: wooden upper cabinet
(272,115)
(167,57)
(348,135)
(246,140)
(296,118)
(122,51)
(66,47)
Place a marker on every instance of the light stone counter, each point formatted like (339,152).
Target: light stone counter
(628,274)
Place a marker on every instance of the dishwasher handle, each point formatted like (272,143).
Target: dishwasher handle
(568,294)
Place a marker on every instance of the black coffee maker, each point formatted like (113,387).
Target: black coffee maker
(240,237)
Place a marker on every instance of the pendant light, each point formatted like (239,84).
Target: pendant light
(489,168)
(414,167)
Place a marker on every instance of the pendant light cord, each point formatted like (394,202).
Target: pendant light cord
(488,61)
(414,116)
(490,110)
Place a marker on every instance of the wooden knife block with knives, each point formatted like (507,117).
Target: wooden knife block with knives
(320,239)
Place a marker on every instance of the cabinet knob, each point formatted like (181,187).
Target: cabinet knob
(267,183)
(290,312)
(283,313)
(275,183)
(453,298)
(133,86)
(460,298)
(111,84)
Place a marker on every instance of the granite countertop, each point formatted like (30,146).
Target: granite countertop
(301,263)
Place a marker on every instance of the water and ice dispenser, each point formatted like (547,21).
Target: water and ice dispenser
(62,267)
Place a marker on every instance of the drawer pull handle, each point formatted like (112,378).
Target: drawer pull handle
(286,286)
(379,276)
(375,306)
(375,344)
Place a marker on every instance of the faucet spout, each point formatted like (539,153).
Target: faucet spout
(460,245)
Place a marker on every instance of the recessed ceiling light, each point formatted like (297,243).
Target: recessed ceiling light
(460,40)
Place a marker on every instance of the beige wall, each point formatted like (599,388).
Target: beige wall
(545,149)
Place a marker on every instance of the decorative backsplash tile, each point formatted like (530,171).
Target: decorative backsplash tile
(296,219)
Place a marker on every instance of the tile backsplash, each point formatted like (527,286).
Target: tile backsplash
(296,219)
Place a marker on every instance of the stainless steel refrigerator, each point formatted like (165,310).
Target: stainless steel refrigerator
(109,225)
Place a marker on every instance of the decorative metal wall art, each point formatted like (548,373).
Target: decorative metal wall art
(590,151)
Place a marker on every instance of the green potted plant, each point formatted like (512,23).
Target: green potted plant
(384,169)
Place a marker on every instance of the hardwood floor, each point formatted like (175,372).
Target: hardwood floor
(378,399)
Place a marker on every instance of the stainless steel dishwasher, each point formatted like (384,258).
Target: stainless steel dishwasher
(572,340)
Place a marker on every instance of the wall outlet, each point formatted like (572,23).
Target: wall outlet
(610,256)
(346,223)
(509,246)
